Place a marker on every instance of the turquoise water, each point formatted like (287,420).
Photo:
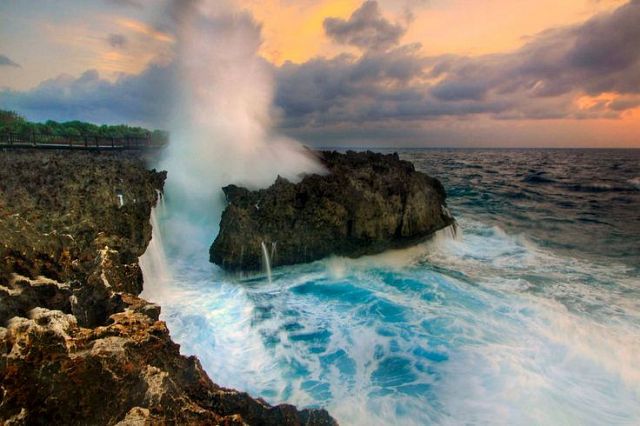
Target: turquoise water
(528,315)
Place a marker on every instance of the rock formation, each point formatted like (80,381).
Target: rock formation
(365,204)
(77,346)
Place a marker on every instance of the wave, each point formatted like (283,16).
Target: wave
(597,187)
(478,327)
(537,178)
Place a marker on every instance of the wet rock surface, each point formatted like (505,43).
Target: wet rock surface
(365,204)
(77,346)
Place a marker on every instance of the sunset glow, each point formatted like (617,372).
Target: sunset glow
(507,63)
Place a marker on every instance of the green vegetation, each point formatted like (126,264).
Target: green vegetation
(11,122)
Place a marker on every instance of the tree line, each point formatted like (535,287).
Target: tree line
(12,122)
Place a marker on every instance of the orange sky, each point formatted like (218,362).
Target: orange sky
(48,41)
(293,30)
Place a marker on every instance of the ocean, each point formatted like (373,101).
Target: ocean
(529,313)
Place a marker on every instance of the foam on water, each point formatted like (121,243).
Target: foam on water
(488,327)
(483,328)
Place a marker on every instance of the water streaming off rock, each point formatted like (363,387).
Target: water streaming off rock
(266,260)
(530,315)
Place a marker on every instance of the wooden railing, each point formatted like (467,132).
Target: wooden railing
(20,140)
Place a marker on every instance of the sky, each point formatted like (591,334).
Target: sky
(468,73)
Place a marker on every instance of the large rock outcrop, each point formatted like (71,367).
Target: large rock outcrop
(365,204)
(77,346)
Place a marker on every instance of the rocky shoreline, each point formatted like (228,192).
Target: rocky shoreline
(77,344)
(366,203)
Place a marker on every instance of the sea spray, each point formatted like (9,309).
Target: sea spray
(391,339)
(492,324)
(266,261)
(222,131)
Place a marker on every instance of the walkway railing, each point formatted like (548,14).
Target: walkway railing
(18,140)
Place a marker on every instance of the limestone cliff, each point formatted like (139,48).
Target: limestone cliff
(77,346)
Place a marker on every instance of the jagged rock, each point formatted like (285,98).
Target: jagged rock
(55,371)
(77,346)
(57,210)
(367,203)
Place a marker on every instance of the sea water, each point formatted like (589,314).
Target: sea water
(530,314)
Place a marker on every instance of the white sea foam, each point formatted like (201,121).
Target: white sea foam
(485,329)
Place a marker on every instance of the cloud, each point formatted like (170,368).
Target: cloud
(366,29)
(591,70)
(544,79)
(118,41)
(146,30)
(144,99)
(7,62)
(600,55)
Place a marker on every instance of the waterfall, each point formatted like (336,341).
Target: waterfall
(266,260)
(160,197)
(153,262)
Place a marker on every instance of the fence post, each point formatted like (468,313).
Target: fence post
(33,137)
(86,141)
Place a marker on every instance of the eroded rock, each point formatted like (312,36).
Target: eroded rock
(77,344)
(365,204)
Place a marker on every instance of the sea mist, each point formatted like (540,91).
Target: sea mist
(222,131)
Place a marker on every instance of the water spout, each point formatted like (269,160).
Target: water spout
(266,260)
(161,202)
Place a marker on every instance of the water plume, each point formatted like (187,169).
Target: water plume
(223,127)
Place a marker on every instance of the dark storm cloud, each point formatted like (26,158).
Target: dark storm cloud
(602,55)
(117,40)
(397,86)
(7,62)
(349,88)
(144,99)
(541,80)
(366,29)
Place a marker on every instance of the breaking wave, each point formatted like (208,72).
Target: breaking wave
(485,328)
